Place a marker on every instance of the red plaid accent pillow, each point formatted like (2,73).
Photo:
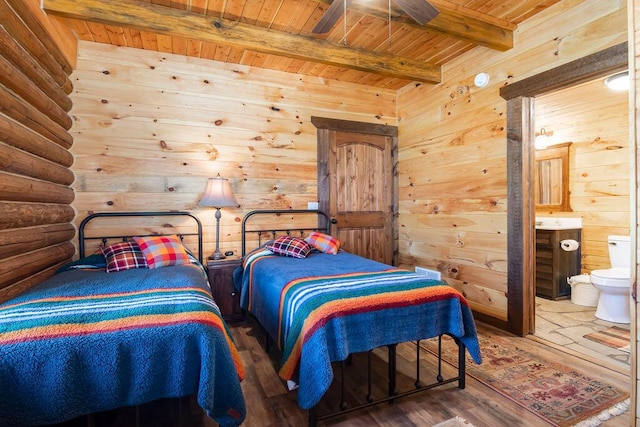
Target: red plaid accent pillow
(123,256)
(289,246)
(162,251)
(323,242)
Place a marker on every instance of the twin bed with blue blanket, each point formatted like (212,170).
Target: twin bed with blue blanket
(320,307)
(86,341)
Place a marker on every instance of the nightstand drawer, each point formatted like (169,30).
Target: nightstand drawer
(226,296)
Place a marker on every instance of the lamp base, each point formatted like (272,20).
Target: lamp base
(217,255)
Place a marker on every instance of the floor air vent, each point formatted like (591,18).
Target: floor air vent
(431,274)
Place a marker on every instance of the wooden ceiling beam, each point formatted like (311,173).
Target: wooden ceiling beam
(181,23)
(454,21)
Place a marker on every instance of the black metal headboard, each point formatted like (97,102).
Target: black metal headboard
(82,238)
(323,224)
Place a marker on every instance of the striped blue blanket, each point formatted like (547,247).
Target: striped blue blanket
(85,341)
(324,307)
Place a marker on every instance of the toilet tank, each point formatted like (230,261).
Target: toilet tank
(620,251)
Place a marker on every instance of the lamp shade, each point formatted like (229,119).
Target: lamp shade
(218,194)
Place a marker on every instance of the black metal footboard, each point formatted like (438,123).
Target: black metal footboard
(392,393)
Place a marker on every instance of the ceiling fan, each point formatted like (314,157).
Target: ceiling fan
(420,10)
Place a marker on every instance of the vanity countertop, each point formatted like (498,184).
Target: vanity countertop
(558,223)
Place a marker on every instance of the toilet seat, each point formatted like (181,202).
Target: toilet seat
(613,277)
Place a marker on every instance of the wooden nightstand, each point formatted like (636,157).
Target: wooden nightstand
(220,274)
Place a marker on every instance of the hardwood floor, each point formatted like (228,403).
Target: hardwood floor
(270,404)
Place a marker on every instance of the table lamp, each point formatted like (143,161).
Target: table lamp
(218,195)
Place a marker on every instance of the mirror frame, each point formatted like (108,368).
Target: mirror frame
(557,151)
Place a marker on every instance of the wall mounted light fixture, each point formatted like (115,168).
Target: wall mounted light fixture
(542,140)
(618,82)
(481,79)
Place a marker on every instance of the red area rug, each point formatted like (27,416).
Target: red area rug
(555,392)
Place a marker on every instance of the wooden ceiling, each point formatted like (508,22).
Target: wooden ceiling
(277,34)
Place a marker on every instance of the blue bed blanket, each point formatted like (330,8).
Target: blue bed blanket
(322,308)
(86,341)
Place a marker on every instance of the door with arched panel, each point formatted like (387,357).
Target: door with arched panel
(357,185)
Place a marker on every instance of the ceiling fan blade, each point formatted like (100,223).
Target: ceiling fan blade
(330,17)
(420,10)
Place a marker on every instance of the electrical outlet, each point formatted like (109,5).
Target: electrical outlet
(312,206)
(431,274)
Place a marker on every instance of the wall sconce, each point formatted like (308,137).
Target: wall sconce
(218,195)
(542,140)
(618,82)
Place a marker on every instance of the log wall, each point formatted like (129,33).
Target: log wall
(150,128)
(35,194)
(452,149)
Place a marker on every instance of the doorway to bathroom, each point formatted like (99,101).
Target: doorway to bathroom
(591,120)
(521,129)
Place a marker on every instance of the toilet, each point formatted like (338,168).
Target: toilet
(614,283)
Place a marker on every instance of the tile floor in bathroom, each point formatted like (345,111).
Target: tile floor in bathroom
(565,324)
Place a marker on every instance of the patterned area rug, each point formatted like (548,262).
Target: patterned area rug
(553,391)
(614,337)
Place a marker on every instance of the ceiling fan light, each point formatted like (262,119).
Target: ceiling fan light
(618,82)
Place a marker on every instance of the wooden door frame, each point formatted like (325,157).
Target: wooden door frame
(326,125)
(520,166)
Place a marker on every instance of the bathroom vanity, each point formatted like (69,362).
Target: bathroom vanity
(555,264)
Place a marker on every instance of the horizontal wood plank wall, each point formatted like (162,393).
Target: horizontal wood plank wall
(36,216)
(596,120)
(150,128)
(452,149)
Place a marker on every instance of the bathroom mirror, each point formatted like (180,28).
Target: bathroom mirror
(552,178)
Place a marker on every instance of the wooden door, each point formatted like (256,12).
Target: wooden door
(357,186)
